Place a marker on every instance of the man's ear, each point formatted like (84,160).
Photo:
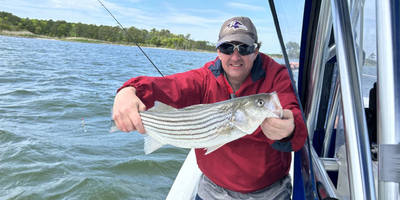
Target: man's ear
(256,51)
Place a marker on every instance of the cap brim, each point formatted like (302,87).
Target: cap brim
(236,38)
(219,43)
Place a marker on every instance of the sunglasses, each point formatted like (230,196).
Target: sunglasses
(244,49)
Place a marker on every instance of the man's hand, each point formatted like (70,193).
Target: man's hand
(126,110)
(277,129)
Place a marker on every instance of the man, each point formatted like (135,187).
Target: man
(255,166)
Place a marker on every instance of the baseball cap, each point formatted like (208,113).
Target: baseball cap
(240,29)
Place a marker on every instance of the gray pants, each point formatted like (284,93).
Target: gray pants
(281,190)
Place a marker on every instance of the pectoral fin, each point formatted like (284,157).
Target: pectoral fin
(213,148)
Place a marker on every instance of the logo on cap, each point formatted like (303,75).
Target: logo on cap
(233,25)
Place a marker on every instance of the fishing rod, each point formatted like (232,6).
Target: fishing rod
(131,38)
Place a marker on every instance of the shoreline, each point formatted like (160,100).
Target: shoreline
(27,34)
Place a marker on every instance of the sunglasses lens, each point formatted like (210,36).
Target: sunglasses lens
(230,48)
(245,50)
(226,49)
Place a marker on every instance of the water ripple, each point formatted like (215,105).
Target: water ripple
(47,88)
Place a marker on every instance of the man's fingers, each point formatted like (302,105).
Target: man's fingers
(128,124)
(287,114)
(276,129)
(126,110)
(136,122)
(270,130)
(142,107)
(119,123)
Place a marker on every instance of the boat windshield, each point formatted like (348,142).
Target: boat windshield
(335,46)
(290,16)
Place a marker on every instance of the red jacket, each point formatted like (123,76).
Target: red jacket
(249,163)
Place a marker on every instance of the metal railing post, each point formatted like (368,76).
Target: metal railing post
(356,133)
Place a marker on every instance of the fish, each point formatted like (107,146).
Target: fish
(208,126)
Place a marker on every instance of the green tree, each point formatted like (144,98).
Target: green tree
(38,30)
(155,41)
(47,27)
(28,25)
(293,50)
(164,33)
(5,27)
(63,30)
(80,30)
(152,33)
(371,60)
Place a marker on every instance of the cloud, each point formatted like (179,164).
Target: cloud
(246,6)
(86,5)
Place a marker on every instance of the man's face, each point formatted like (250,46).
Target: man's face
(237,67)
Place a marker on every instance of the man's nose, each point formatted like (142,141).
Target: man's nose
(236,55)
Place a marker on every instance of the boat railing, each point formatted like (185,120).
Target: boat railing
(356,133)
(346,103)
(388,98)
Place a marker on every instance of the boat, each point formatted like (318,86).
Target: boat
(353,145)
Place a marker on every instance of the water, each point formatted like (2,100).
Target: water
(47,87)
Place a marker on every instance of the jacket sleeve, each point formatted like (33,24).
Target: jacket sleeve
(283,86)
(177,90)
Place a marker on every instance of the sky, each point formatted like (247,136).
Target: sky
(201,19)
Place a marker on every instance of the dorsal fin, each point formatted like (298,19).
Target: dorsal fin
(159,106)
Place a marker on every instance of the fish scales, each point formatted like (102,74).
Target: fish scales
(179,116)
(190,125)
(176,121)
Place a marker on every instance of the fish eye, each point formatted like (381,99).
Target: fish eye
(260,102)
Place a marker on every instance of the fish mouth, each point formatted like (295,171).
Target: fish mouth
(279,113)
(275,107)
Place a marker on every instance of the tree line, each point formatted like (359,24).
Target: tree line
(293,51)
(114,34)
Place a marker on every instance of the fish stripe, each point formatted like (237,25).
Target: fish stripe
(176,123)
(186,125)
(190,132)
(178,116)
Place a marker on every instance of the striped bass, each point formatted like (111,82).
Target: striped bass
(208,126)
